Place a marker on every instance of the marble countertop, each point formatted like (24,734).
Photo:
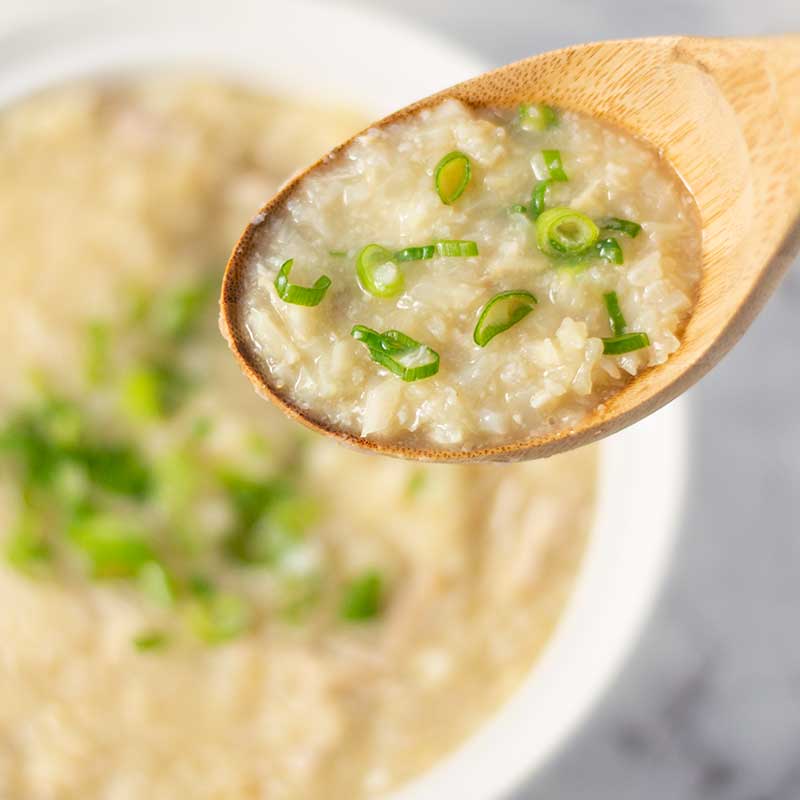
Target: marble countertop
(708,705)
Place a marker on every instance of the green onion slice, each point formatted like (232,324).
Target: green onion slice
(552,160)
(451,176)
(363,597)
(377,272)
(610,250)
(502,312)
(518,208)
(626,226)
(563,232)
(626,343)
(400,354)
(615,316)
(536,116)
(150,640)
(300,295)
(456,248)
(538,198)
(414,253)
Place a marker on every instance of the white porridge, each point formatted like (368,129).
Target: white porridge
(200,600)
(464,278)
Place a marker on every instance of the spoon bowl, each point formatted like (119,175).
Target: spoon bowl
(724,113)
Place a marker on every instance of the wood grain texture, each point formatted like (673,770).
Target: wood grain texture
(725,113)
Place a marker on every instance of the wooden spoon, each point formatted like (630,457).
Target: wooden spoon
(725,113)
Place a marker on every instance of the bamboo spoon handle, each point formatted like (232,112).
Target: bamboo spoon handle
(783,60)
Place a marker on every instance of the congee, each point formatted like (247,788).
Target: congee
(464,277)
(200,600)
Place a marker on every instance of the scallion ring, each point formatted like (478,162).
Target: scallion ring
(536,116)
(615,317)
(626,343)
(377,272)
(552,160)
(502,312)
(456,248)
(451,176)
(400,354)
(564,232)
(300,295)
(626,226)
(420,253)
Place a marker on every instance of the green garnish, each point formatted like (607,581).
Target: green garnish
(218,617)
(552,160)
(300,295)
(337,253)
(538,198)
(456,248)
(153,391)
(97,360)
(112,547)
(150,641)
(199,586)
(157,584)
(536,116)
(563,232)
(518,208)
(626,226)
(416,482)
(400,354)
(626,343)
(500,313)
(451,176)
(26,549)
(615,318)
(363,597)
(610,250)
(377,273)
(177,314)
(446,248)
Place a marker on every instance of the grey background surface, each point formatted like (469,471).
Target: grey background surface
(709,704)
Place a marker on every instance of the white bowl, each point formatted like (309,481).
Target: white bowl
(378,63)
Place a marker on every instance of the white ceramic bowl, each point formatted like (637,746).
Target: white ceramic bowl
(340,53)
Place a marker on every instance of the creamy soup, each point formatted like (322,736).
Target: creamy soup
(199,599)
(467,278)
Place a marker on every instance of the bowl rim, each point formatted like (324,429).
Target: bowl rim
(623,569)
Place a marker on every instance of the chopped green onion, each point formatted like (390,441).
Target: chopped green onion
(116,468)
(26,549)
(337,253)
(563,232)
(363,597)
(300,295)
(538,198)
(153,391)
(536,116)
(400,354)
(610,250)
(446,248)
(518,208)
(377,273)
(626,343)
(451,176)
(455,248)
(500,313)
(219,617)
(157,584)
(150,641)
(177,314)
(552,160)
(97,352)
(625,226)
(200,586)
(416,482)
(615,317)
(114,550)
(415,253)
